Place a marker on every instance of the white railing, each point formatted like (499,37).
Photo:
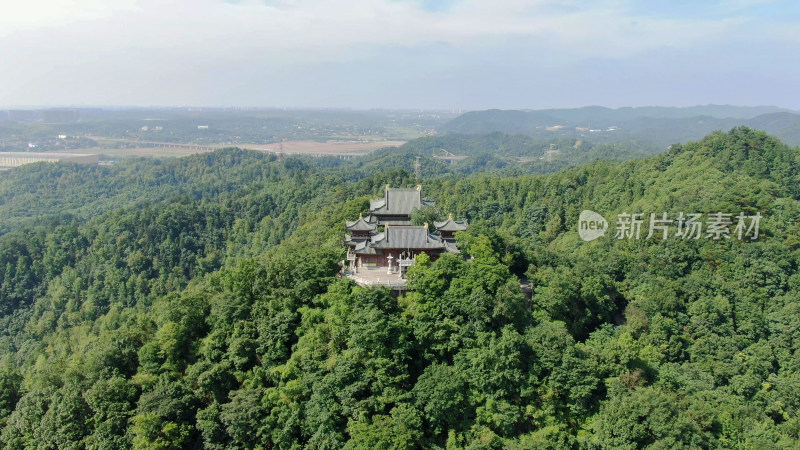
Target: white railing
(377,282)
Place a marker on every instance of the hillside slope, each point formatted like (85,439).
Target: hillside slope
(218,321)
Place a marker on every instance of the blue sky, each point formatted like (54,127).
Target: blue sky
(470,54)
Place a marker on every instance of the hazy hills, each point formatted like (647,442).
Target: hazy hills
(664,112)
(657,126)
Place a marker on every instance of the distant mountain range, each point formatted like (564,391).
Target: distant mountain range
(659,126)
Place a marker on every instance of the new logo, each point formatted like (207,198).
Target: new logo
(591,225)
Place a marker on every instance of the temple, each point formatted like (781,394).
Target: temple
(397,204)
(386,240)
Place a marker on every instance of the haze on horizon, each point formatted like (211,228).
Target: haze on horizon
(430,54)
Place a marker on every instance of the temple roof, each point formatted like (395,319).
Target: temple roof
(359,225)
(451,225)
(451,247)
(363,248)
(397,222)
(406,237)
(398,201)
(393,212)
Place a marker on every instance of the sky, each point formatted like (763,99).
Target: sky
(399,54)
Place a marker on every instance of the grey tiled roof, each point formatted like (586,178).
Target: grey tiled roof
(396,222)
(406,237)
(398,201)
(376,203)
(402,237)
(362,248)
(451,225)
(359,225)
(451,247)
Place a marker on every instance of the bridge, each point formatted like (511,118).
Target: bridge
(195,147)
(16,159)
(448,156)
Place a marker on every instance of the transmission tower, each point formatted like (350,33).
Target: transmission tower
(417,169)
(550,152)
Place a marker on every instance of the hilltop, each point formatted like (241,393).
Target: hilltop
(209,314)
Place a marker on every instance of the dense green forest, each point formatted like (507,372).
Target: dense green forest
(55,192)
(519,154)
(195,303)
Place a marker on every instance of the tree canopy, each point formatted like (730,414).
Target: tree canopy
(207,312)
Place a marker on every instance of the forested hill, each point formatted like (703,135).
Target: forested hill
(63,193)
(659,127)
(214,318)
(52,191)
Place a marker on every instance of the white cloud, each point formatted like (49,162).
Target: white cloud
(140,40)
(318,27)
(33,14)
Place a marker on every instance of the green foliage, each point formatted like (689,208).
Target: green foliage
(215,319)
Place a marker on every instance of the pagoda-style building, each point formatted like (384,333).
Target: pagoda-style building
(386,239)
(448,229)
(397,204)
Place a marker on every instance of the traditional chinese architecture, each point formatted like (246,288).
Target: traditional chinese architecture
(386,239)
(397,204)
(447,229)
